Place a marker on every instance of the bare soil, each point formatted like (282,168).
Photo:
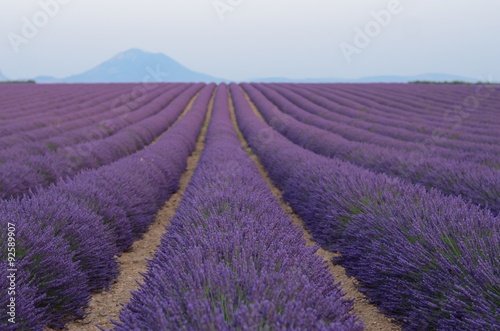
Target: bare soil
(106,306)
(373,319)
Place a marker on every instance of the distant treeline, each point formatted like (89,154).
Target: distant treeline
(19,82)
(454,82)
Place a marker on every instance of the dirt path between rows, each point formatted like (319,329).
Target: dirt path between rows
(372,318)
(105,306)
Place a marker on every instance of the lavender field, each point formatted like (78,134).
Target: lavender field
(275,206)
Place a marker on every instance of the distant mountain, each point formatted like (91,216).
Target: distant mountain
(3,78)
(135,65)
(371,79)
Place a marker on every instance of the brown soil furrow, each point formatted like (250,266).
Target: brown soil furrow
(372,318)
(184,112)
(107,305)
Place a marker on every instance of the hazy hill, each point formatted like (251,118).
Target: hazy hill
(135,65)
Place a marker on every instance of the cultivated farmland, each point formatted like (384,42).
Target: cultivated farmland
(250,206)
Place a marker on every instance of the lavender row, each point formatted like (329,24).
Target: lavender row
(55,112)
(399,101)
(231,259)
(56,122)
(15,103)
(67,121)
(105,123)
(428,260)
(445,119)
(31,172)
(309,113)
(13,93)
(404,130)
(443,95)
(478,183)
(413,118)
(67,236)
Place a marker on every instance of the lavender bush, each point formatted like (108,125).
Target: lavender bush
(477,183)
(48,263)
(232,260)
(428,260)
(57,245)
(19,174)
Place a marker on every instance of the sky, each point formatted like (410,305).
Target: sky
(245,39)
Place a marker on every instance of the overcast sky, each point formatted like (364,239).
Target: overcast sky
(245,39)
